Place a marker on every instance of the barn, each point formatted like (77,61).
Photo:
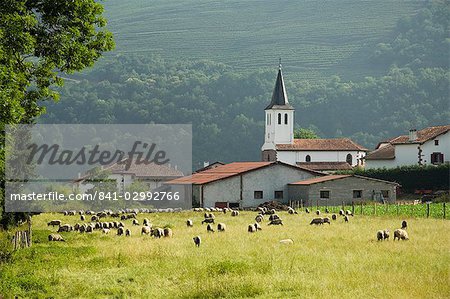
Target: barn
(335,189)
(243,184)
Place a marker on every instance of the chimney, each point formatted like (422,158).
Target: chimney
(205,163)
(412,135)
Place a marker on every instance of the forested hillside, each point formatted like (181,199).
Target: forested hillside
(226,105)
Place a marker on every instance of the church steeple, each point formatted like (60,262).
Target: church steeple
(279,95)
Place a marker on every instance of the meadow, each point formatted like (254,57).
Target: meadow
(324,261)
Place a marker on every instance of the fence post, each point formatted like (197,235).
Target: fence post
(343,206)
(353,208)
(443,206)
(428,210)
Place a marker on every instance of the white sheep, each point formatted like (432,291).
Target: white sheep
(135,222)
(197,241)
(400,234)
(146,230)
(257,226)
(55,237)
(287,241)
(259,218)
(251,228)
(168,232)
(106,231)
(221,227)
(209,228)
(189,223)
(120,231)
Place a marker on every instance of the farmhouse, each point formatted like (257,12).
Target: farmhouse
(424,147)
(335,189)
(280,144)
(243,184)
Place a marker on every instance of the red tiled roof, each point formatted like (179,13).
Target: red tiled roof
(321,179)
(210,166)
(229,170)
(325,166)
(422,135)
(386,152)
(336,144)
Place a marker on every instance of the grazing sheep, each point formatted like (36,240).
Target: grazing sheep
(120,231)
(146,222)
(54,223)
(348,212)
(251,228)
(257,226)
(259,218)
(292,211)
(287,241)
(111,224)
(197,241)
(105,224)
(89,229)
(307,211)
(318,212)
(82,217)
(65,228)
(334,217)
(404,224)
(146,230)
(276,222)
(327,211)
(208,220)
(120,224)
(76,227)
(316,221)
(401,234)
(209,215)
(106,231)
(326,220)
(346,218)
(83,228)
(189,223)
(157,232)
(386,234)
(127,232)
(225,210)
(341,212)
(273,217)
(380,235)
(221,227)
(168,232)
(209,228)
(55,237)
(94,218)
(135,222)
(234,213)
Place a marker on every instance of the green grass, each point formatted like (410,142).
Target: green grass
(314,38)
(324,261)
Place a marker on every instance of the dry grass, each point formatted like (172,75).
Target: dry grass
(323,261)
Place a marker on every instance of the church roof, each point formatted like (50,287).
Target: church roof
(336,144)
(325,166)
(279,96)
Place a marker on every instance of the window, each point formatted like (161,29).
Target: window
(308,158)
(349,159)
(437,158)
(279,118)
(357,193)
(258,195)
(278,194)
(324,194)
(285,118)
(385,193)
(436,142)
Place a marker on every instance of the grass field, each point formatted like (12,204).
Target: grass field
(314,38)
(324,261)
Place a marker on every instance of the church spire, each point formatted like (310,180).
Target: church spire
(279,96)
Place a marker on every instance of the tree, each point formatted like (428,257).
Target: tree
(39,41)
(303,133)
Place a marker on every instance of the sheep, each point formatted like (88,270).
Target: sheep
(341,212)
(273,217)
(76,227)
(121,224)
(135,222)
(318,212)
(82,217)
(380,235)
(259,218)
(316,221)
(251,228)
(400,234)
(168,232)
(209,215)
(404,224)
(110,224)
(94,218)
(326,220)
(120,231)
(55,237)
(276,222)
(257,226)
(386,234)
(334,217)
(348,212)
(197,241)
(106,231)
(208,220)
(189,223)
(221,227)
(105,224)
(287,241)
(292,211)
(209,229)
(346,218)
(146,230)
(54,223)
(307,211)
(157,232)
(146,222)
(83,228)
(89,229)
(327,211)
(65,228)
(234,213)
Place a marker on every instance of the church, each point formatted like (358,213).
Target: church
(327,155)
